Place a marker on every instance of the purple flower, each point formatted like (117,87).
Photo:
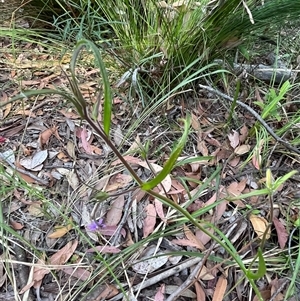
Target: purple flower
(96,225)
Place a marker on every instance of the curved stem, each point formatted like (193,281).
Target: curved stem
(101,133)
(215,238)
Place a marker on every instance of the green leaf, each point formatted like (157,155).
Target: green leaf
(261,267)
(193,160)
(172,160)
(102,196)
(283,179)
(106,86)
(264,191)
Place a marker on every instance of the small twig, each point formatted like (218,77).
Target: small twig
(27,173)
(57,166)
(192,277)
(280,288)
(257,116)
(45,102)
(185,265)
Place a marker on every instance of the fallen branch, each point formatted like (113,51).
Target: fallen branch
(161,276)
(277,72)
(256,115)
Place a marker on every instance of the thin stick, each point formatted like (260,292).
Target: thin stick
(192,277)
(161,276)
(257,116)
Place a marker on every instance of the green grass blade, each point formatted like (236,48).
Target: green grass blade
(172,160)
(106,85)
(261,267)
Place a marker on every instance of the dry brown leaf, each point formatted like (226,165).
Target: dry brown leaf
(3,97)
(70,150)
(85,136)
(199,292)
(150,220)
(191,237)
(236,188)
(138,194)
(25,113)
(118,181)
(234,162)
(61,230)
(39,271)
(88,86)
(30,82)
(35,209)
(194,179)
(195,123)
(45,135)
(260,225)
(63,255)
(201,147)
(220,209)
(79,273)
(7,110)
(159,208)
(184,242)
(266,295)
(25,177)
(243,133)
(213,198)
(63,157)
(12,131)
(242,149)
(177,185)
(257,95)
(220,289)
(149,262)
(213,142)
(118,136)
(129,159)
(96,150)
(275,286)
(15,225)
(115,212)
(205,274)
(104,250)
(109,292)
(234,139)
(69,114)
(203,237)
(160,294)
(111,230)
(281,232)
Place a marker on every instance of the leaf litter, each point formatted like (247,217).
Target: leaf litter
(80,163)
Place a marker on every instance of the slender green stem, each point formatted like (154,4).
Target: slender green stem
(100,132)
(235,98)
(170,203)
(234,255)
